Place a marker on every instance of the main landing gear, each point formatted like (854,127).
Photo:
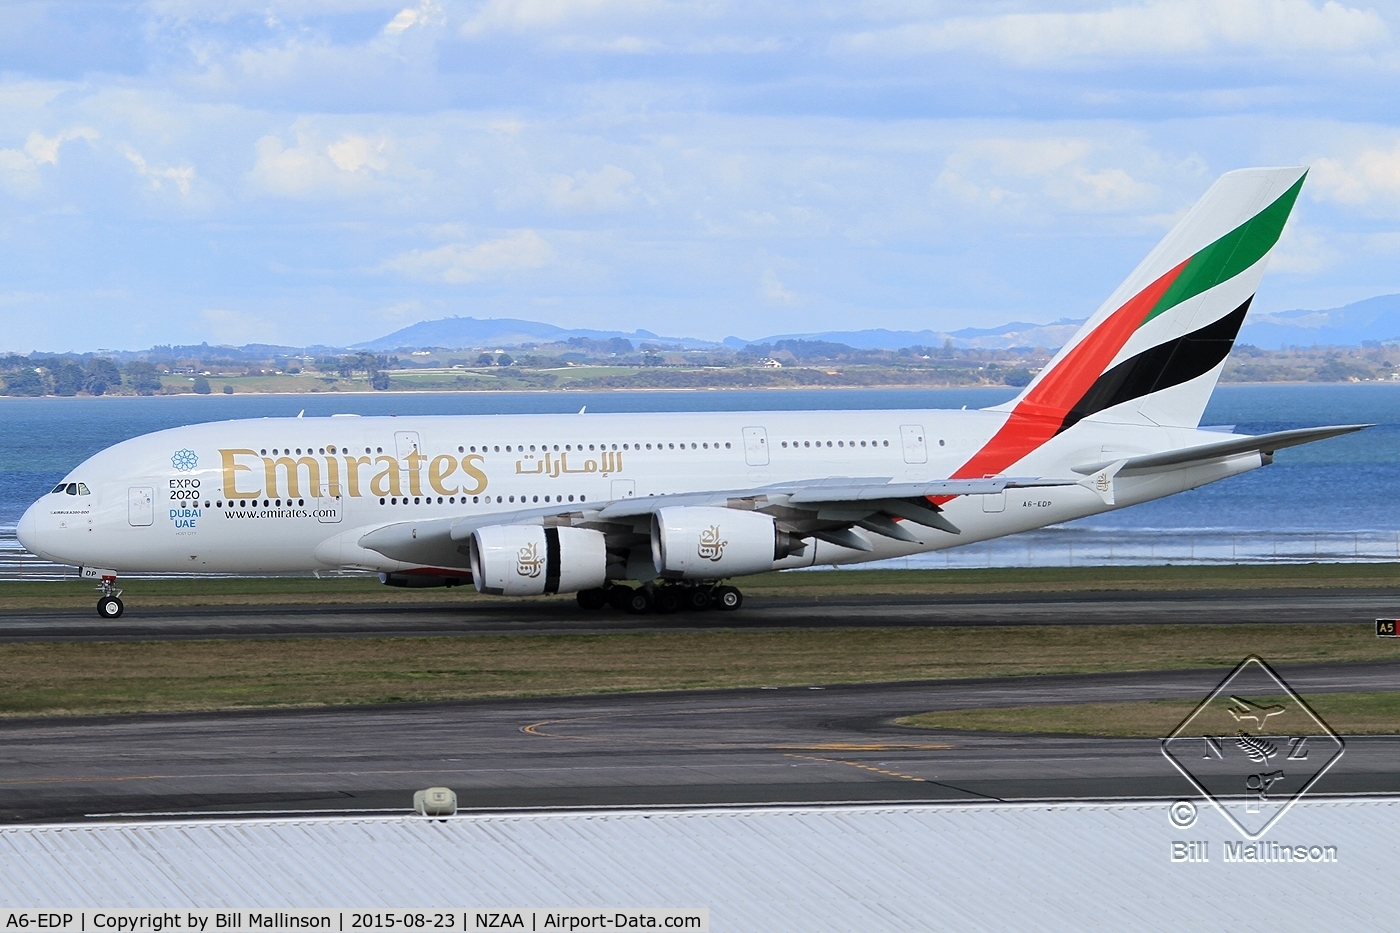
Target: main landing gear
(109,606)
(664,600)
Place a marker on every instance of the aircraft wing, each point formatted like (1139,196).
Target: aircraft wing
(1265,444)
(830,508)
(840,510)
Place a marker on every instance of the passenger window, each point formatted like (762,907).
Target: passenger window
(83,490)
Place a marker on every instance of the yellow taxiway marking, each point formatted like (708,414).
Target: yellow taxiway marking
(856,764)
(118,778)
(855,747)
(534,729)
(537,729)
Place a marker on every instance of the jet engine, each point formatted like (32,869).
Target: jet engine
(527,560)
(701,543)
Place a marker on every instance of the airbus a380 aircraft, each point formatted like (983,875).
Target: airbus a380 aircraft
(677,503)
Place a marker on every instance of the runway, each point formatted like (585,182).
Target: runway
(790,745)
(1342,606)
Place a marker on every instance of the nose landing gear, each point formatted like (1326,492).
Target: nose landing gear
(109,606)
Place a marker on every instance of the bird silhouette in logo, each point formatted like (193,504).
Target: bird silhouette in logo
(1243,709)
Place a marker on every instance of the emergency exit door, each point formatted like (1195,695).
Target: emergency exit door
(140,506)
(406,443)
(912,437)
(755,446)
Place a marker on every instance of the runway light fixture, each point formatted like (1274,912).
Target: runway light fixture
(435,801)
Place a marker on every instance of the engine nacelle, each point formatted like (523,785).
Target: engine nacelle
(701,543)
(528,560)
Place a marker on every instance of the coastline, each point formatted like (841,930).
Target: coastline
(609,390)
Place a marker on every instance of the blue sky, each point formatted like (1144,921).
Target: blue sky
(327,171)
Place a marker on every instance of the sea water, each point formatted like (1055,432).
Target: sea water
(1336,500)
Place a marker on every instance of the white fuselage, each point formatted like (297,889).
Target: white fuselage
(297,494)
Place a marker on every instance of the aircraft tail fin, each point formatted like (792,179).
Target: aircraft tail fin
(1152,353)
(1158,342)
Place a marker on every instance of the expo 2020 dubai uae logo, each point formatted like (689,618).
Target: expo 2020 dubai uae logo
(184,460)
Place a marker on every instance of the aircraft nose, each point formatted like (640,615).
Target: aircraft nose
(28,530)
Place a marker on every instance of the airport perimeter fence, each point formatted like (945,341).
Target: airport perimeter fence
(1047,547)
(1088,547)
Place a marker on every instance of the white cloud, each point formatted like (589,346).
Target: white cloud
(355,153)
(424,14)
(20,167)
(1017,171)
(180,175)
(1164,28)
(771,288)
(593,191)
(1302,251)
(1370,178)
(531,15)
(236,328)
(458,263)
(313,166)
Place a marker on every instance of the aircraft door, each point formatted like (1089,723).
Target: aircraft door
(755,446)
(623,489)
(406,443)
(328,510)
(915,449)
(140,506)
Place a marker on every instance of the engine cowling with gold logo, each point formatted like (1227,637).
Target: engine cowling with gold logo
(702,543)
(530,560)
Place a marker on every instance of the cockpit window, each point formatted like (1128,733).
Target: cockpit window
(72,489)
(59,488)
(83,490)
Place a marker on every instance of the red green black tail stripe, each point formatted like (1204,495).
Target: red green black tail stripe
(1165,365)
(1081,384)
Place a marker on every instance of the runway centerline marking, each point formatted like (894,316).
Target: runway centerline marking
(856,747)
(537,729)
(856,764)
(119,778)
(897,774)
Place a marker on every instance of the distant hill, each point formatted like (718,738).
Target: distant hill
(1375,319)
(462,332)
(1015,334)
(458,332)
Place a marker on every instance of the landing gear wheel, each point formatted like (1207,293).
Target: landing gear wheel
(618,596)
(698,599)
(669,599)
(592,599)
(110,607)
(639,602)
(728,598)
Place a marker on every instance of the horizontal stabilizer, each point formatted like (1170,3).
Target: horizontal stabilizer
(1265,444)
